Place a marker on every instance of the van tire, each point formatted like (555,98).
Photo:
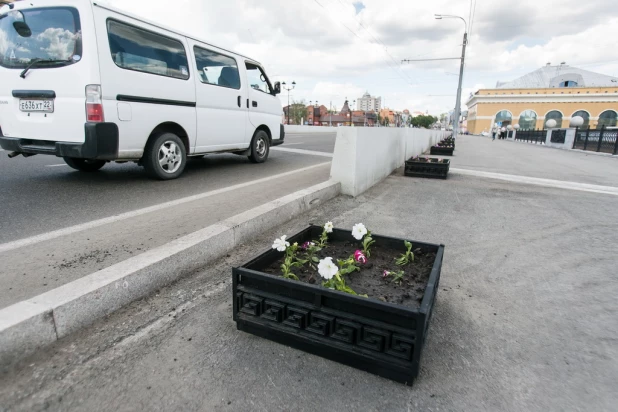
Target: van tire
(260,147)
(165,156)
(84,165)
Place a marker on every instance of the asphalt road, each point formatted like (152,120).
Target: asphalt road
(41,194)
(525,318)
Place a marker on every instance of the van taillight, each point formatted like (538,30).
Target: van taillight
(94,106)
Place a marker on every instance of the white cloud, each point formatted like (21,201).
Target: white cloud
(331,50)
(59,43)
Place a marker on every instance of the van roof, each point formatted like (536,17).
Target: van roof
(136,17)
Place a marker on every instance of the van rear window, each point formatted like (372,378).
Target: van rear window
(141,50)
(51,36)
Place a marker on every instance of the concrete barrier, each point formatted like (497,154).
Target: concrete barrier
(366,155)
(293,129)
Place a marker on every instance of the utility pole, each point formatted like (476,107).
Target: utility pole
(288,89)
(461,71)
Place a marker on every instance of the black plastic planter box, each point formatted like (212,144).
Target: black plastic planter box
(433,170)
(365,333)
(442,151)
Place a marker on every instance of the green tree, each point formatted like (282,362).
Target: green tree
(298,112)
(424,121)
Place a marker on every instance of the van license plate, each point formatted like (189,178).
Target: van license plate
(46,106)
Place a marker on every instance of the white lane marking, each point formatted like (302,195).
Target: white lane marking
(302,151)
(560,184)
(56,165)
(5,247)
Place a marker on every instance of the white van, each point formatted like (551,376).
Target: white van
(93,84)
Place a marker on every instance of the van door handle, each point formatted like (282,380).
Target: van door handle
(254,103)
(247,103)
(238,101)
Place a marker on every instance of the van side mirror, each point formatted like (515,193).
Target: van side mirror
(20,26)
(277,88)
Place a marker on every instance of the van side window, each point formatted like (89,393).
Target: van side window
(144,51)
(257,78)
(217,69)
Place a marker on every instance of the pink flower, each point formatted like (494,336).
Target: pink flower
(360,257)
(385,273)
(307,245)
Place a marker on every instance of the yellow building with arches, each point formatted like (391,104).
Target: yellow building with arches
(552,92)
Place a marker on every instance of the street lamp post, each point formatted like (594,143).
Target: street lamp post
(461,70)
(288,89)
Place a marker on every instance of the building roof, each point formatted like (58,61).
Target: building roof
(552,76)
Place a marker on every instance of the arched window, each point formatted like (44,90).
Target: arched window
(556,115)
(583,114)
(568,83)
(609,118)
(527,120)
(505,117)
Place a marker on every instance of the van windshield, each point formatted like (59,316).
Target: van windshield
(51,34)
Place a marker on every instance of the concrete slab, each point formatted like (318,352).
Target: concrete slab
(24,327)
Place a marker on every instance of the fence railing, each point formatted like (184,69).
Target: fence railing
(597,140)
(531,136)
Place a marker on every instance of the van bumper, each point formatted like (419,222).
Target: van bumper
(100,142)
(277,142)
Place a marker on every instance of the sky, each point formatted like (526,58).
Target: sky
(335,49)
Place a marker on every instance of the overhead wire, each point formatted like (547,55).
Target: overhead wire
(400,72)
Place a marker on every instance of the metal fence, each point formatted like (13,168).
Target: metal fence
(597,140)
(531,136)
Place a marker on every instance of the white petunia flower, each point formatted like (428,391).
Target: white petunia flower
(328,227)
(281,244)
(327,269)
(358,231)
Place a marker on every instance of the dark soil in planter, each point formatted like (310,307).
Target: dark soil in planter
(369,280)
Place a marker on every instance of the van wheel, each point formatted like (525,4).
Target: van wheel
(260,147)
(165,157)
(84,165)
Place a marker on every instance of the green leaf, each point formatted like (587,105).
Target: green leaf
(315,259)
(292,276)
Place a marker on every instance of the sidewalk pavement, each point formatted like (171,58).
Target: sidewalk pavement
(534,160)
(525,317)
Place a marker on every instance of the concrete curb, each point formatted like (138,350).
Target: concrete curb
(39,321)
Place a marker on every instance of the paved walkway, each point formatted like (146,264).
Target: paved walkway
(525,317)
(527,159)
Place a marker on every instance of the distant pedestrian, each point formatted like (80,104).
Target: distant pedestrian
(493,133)
(503,133)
